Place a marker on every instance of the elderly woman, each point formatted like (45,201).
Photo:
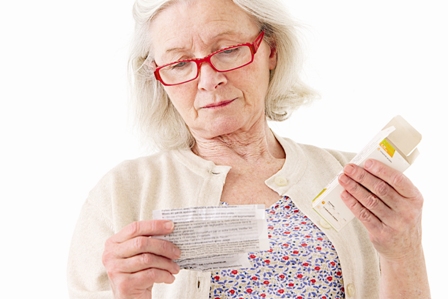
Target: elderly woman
(207,77)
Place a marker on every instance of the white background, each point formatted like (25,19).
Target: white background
(64,120)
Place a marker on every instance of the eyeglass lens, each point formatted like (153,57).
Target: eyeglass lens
(222,61)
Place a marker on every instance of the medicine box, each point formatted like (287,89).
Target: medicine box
(395,145)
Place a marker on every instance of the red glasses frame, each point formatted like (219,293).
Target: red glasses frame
(199,61)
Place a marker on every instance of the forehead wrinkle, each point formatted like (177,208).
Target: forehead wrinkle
(197,34)
(202,43)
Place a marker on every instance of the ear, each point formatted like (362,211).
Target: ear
(273,58)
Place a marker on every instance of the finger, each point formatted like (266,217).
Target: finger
(146,261)
(140,245)
(374,185)
(366,198)
(139,282)
(152,275)
(397,180)
(143,228)
(370,220)
(365,205)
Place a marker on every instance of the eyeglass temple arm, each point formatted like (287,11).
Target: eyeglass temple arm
(258,41)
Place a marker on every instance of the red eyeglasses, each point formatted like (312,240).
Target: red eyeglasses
(224,60)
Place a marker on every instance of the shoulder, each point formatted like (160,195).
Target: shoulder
(143,163)
(131,185)
(314,153)
(341,156)
(143,167)
(129,175)
(151,175)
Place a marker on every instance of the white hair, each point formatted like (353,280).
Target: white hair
(160,123)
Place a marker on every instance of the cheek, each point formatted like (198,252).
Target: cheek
(254,82)
(182,97)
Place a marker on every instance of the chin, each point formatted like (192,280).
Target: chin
(235,131)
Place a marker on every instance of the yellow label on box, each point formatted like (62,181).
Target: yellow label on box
(387,147)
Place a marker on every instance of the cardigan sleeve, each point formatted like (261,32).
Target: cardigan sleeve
(86,275)
(87,278)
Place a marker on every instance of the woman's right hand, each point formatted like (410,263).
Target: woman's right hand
(134,261)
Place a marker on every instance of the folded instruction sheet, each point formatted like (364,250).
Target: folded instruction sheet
(216,237)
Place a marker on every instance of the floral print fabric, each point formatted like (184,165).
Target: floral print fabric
(301,262)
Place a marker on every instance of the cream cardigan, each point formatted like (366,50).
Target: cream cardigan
(174,179)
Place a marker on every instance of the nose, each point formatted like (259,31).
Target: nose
(209,79)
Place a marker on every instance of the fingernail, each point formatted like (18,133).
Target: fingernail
(349,169)
(169,225)
(343,178)
(177,268)
(368,164)
(176,252)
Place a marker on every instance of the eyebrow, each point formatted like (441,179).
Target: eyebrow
(175,49)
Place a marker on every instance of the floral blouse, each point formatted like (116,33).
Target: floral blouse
(301,262)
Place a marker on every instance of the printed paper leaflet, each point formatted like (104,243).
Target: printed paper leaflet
(216,237)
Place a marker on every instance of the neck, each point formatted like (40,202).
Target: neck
(250,147)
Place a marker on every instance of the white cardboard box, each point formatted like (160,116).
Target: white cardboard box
(395,145)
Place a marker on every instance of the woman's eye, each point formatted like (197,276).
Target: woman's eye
(178,65)
(231,50)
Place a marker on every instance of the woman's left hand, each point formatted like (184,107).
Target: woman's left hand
(389,206)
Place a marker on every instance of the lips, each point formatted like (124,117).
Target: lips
(218,104)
